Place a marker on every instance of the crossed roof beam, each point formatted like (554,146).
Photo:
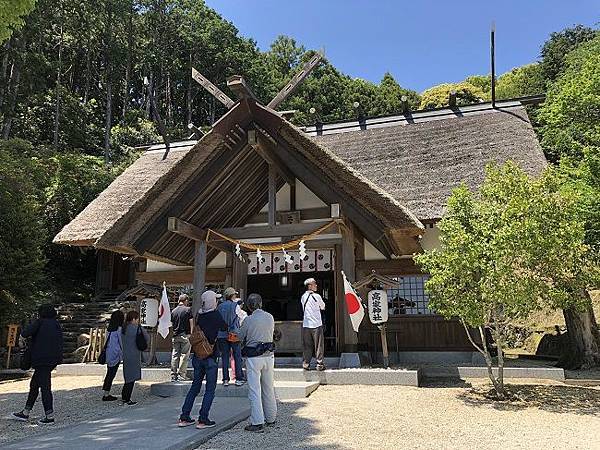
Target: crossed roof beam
(243,91)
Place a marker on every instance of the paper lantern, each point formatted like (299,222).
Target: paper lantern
(149,312)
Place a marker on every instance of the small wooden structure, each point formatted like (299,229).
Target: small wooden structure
(96,344)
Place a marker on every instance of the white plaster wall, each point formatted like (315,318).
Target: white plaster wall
(371,253)
(219,262)
(306,199)
(282,199)
(431,238)
(157,266)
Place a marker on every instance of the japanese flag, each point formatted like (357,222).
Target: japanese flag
(353,303)
(164,314)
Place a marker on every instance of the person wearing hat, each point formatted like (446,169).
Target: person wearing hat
(313,339)
(210,322)
(228,340)
(256,334)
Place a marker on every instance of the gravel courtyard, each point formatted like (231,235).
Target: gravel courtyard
(75,399)
(439,416)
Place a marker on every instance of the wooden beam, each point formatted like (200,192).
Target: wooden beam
(241,89)
(296,229)
(272,195)
(305,214)
(198,133)
(452,99)
(295,81)
(215,91)
(186,229)
(200,251)
(265,149)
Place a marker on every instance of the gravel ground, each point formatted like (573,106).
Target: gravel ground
(75,399)
(440,416)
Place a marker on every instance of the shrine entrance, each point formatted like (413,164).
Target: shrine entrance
(281,290)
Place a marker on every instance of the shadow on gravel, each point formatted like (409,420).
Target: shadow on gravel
(444,383)
(552,398)
(292,431)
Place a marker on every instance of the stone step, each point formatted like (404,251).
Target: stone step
(284,390)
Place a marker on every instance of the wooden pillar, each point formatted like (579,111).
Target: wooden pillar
(272,195)
(240,277)
(200,250)
(340,309)
(228,269)
(349,268)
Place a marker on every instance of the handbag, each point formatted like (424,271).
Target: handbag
(102,355)
(140,340)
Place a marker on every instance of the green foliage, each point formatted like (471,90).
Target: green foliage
(483,82)
(514,247)
(12,13)
(521,81)
(570,117)
(21,231)
(559,45)
(438,96)
(138,131)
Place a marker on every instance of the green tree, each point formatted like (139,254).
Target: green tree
(570,117)
(12,13)
(521,81)
(438,96)
(559,45)
(21,232)
(513,247)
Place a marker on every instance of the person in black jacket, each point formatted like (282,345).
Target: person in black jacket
(46,353)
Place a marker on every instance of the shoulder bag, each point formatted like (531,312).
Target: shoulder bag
(102,355)
(140,340)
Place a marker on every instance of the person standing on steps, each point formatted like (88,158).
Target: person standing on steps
(313,338)
(46,353)
(228,341)
(181,317)
(114,352)
(132,354)
(210,322)
(256,334)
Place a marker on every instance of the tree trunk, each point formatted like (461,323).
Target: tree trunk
(108,79)
(129,61)
(584,338)
(15,78)
(58,88)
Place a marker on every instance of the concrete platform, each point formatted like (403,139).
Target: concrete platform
(284,390)
(401,377)
(542,373)
(150,426)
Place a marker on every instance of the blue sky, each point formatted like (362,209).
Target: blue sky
(421,42)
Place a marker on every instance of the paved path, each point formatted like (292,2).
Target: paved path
(152,426)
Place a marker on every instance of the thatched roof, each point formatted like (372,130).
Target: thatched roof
(388,177)
(419,164)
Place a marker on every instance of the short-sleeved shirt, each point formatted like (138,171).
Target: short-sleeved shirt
(180,318)
(312,304)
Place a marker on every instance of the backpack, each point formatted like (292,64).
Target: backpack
(140,340)
(200,345)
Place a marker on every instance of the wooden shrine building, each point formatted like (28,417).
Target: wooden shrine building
(378,186)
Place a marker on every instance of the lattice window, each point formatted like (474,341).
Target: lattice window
(409,297)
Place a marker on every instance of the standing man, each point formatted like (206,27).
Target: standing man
(313,339)
(181,317)
(229,341)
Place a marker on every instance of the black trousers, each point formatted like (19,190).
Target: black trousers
(313,341)
(40,381)
(127,390)
(109,378)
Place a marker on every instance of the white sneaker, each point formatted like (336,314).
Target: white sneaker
(226,383)
(240,382)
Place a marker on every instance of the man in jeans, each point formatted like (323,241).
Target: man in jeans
(230,310)
(181,317)
(313,339)
(210,322)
